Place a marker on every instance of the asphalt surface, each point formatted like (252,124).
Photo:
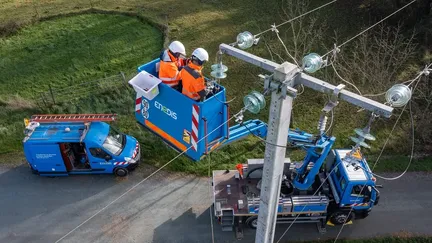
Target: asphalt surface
(172,208)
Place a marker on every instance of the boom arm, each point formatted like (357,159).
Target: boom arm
(304,179)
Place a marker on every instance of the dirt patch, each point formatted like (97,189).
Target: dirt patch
(9,28)
(17,102)
(12,159)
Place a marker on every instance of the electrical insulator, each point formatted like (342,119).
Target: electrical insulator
(398,95)
(245,40)
(312,62)
(260,98)
(254,102)
(364,134)
(219,71)
(359,142)
(322,124)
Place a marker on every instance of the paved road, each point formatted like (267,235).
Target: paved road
(170,208)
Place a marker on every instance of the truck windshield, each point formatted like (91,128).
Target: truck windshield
(114,142)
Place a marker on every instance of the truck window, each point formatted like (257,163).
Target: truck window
(343,184)
(114,142)
(99,153)
(358,188)
(337,173)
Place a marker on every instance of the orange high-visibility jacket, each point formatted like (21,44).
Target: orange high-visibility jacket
(169,69)
(192,80)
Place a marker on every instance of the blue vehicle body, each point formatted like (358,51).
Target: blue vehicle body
(64,148)
(184,123)
(330,186)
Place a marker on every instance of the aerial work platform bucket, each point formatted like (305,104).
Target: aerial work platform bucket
(184,123)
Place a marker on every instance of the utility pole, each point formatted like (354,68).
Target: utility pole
(285,77)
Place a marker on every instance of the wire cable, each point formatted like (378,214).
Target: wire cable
(376,162)
(283,44)
(288,21)
(345,80)
(264,141)
(411,156)
(372,26)
(304,207)
(143,180)
(331,122)
(425,71)
(210,193)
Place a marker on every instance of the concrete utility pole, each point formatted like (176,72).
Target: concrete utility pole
(285,77)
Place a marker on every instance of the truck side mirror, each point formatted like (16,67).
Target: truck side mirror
(108,157)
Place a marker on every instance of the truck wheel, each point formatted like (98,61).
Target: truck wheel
(121,172)
(340,217)
(252,222)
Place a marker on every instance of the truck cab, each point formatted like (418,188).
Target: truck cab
(78,144)
(351,182)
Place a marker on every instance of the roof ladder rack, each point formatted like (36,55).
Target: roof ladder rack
(73,117)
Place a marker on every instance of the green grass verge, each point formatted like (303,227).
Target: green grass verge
(63,52)
(67,50)
(74,49)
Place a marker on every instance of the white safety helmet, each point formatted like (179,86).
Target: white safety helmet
(200,55)
(177,47)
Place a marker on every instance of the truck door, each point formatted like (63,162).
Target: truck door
(47,158)
(360,194)
(100,159)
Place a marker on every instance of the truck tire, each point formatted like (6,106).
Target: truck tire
(121,172)
(340,217)
(252,222)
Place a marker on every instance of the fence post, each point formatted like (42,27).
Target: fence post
(52,94)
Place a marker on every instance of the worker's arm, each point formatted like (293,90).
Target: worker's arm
(202,95)
(201,87)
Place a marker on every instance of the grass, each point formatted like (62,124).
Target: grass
(63,51)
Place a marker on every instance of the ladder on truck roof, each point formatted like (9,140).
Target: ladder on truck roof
(73,117)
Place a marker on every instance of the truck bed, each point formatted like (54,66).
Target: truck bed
(230,201)
(244,197)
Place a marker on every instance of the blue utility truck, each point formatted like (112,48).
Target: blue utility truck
(321,189)
(325,188)
(60,145)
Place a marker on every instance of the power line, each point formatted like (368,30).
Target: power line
(304,207)
(284,46)
(288,21)
(264,141)
(143,180)
(359,34)
(376,162)
(210,192)
(337,74)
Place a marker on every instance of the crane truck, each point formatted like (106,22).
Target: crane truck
(320,189)
(325,188)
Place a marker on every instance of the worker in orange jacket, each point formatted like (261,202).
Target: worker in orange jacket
(193,81)
(171,62)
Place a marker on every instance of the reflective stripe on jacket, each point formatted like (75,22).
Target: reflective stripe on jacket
(192,80)
(169,69)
